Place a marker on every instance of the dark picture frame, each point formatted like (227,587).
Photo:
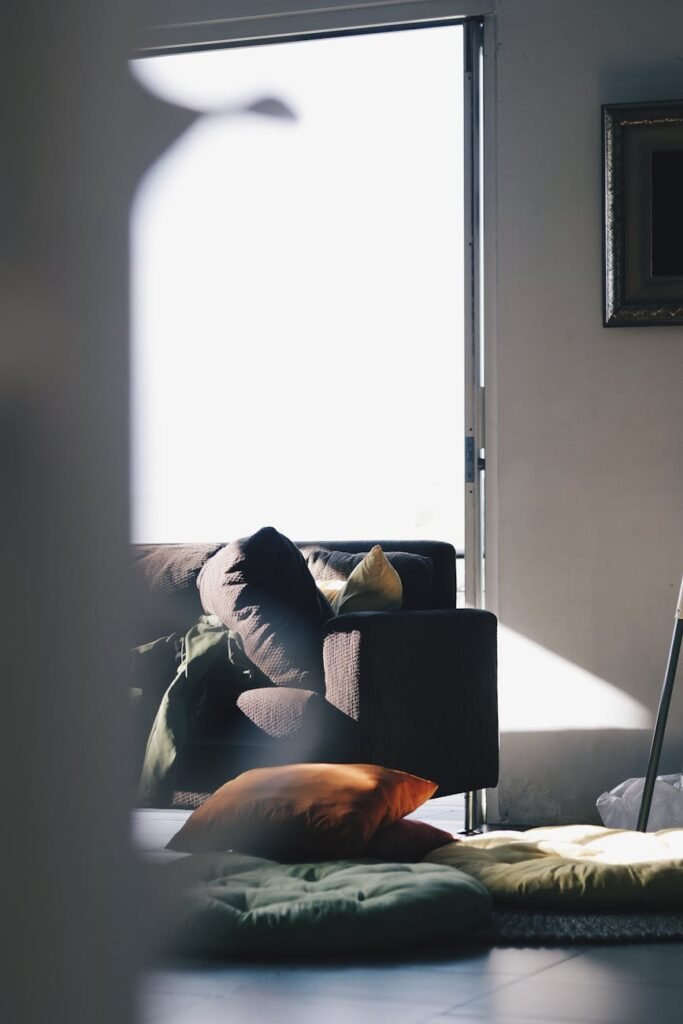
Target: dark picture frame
(643,213)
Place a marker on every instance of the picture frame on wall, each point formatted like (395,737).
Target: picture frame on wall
(643,213)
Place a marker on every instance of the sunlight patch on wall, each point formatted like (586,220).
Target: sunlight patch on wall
(539,691)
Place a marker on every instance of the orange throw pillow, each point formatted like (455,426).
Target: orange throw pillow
(301,812)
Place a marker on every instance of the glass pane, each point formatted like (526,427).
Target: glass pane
(298,294)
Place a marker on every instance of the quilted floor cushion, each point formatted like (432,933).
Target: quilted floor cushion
(574,866)
(234,905)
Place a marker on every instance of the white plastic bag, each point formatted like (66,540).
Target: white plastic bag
(620,807)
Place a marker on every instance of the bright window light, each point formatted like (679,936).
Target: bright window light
(298,294)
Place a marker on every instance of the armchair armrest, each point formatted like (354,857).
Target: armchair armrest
(422,687)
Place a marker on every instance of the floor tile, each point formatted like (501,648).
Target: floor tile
(508,960)
(404,985)
(269,1008)
(185,982)
(460,1017)
(455,1017)
(649,963)
(160,1007)
(541,998)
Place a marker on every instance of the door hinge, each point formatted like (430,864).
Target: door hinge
(469,459)
(475,459)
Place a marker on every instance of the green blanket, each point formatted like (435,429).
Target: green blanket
(212,669)
(235,905)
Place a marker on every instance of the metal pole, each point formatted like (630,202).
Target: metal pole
(474,425)
(662,714)
(475,811)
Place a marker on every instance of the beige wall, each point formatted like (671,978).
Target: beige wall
(589,422)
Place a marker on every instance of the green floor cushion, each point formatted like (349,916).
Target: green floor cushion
(574,866)
(236,905)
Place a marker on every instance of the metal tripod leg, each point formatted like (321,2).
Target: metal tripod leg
(662,714)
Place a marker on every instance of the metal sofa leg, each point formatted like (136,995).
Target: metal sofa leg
(475,811)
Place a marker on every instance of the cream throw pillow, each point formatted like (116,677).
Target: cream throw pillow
(373,586)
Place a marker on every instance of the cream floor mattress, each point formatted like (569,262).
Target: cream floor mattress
(582,867)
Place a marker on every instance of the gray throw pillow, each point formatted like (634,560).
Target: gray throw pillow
(260,586)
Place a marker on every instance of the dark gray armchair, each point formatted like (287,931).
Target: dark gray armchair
(413,689)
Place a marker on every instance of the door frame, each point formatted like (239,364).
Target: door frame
(166,25)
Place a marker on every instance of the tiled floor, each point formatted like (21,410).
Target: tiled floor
(631,984)
(597,985)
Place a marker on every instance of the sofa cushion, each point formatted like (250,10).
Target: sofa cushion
(416,572)
(260,586)
(281,713)
(163,588)
(302,811)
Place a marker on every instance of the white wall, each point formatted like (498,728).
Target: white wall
(589,508)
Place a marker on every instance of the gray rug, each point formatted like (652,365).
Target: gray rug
(513,927)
